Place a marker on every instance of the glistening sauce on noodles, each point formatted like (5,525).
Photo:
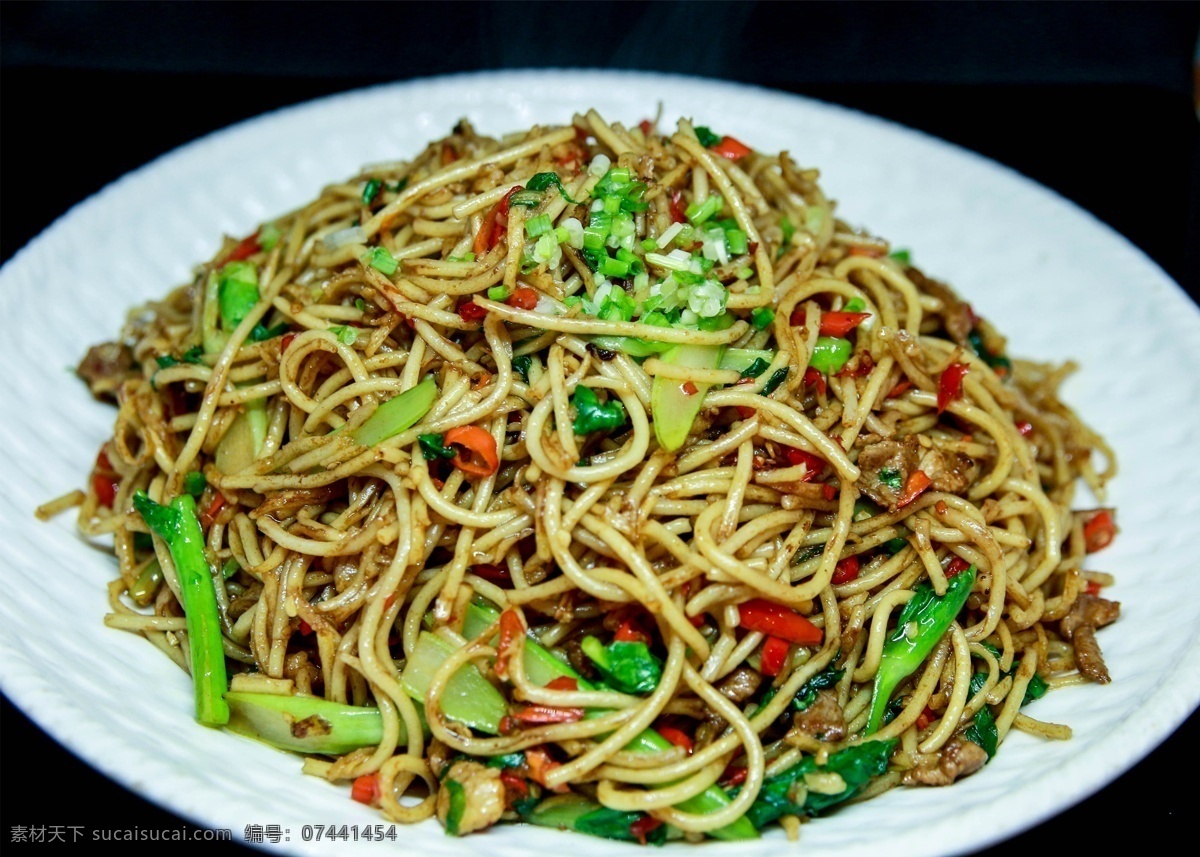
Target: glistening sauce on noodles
(600,478)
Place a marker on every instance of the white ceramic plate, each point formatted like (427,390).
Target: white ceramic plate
(1058,282)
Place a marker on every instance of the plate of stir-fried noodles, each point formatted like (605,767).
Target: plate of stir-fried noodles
(560,460)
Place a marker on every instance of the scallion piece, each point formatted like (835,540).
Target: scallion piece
(497,293)
(762,317)
(381,260)
(371,190)
(397,414)
(539,225)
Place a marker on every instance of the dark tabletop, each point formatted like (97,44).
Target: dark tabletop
(1095,101)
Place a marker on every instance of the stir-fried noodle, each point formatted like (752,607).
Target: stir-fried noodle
(596,477)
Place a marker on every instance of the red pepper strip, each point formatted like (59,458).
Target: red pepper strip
(245,249)
(926,717)
(846,570)
(366,789)
(546,714)
(900,389)
(917,482)
(214,508)
(689,389)
(816,379)
(677,209)
(514,783)
(698,620)
(631,632)
(647,127)
(858,366)
(745,412)
(774,655)
(105,488)
(563,682)
(841,323)
(523,298)
(494,225)
(731,148)
(957,566)
(950,385)
(815,465)
(1093,588)
(1099,531)
(468,310)
(541,763)
(286,341)
(510,629)
(759,614)
(305,628)
(829,491)
(869,252)
(734,775)
(476,454)
(643,826)
(676,736)
(1025,429)
(496,574)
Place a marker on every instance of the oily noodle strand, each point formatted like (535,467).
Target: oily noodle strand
(338,556)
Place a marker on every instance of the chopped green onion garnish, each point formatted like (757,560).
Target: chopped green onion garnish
(761,317)
(230,568)
(698,213)
(498,293)
(345,334)
(855,305)
(774,381)
(194,483)
(745,273)
(268,236)
(381,260)
(542,181)
(538,225)
(465,257)
(900,256)
(706,137)
(371,190)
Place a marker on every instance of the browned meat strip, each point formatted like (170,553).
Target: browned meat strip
(951,472)
(958,758)
(741,684)
(1079,626)
(104,367)
(823,720)
(885,466)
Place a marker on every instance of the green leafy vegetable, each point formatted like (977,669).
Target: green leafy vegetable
(305,724)
(706,136)
(237,289)
(629,666)
(774,381)
(542,181)
(262,334)
(856,765)
(593,415)
(522,365)
(371,190)
(901,255)
(890,477)
(433,448)
(397,414)
(178,525)
(194,483)
(920,625)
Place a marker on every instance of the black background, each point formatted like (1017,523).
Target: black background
(1094,100)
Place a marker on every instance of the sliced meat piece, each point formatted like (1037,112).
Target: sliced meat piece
(823,720)
(105,367)
(483,796)
(958,758)
(951,472)
(885,467)
(1079,626)
(741,684)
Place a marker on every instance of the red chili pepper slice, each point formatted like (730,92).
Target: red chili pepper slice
(366,789)
(1025,429)
(900,389)
(476,454)
(841,323)
(677,208)
(677,737)
(917,482)
(540,714)
(246,248)
(1099,530)
(829,491)
(734,775)
(950,385)
(846,570)
(631,632)
(759,614)
(775,653)
(511,628)
(644,826)
(814,378)
(689,389)
(515,783)
(214,508)
(926,717)
(468,310)
(494,225)
(957,566)
(523,298)
(563,682)
(732,148)
(814,464)
(647,127)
